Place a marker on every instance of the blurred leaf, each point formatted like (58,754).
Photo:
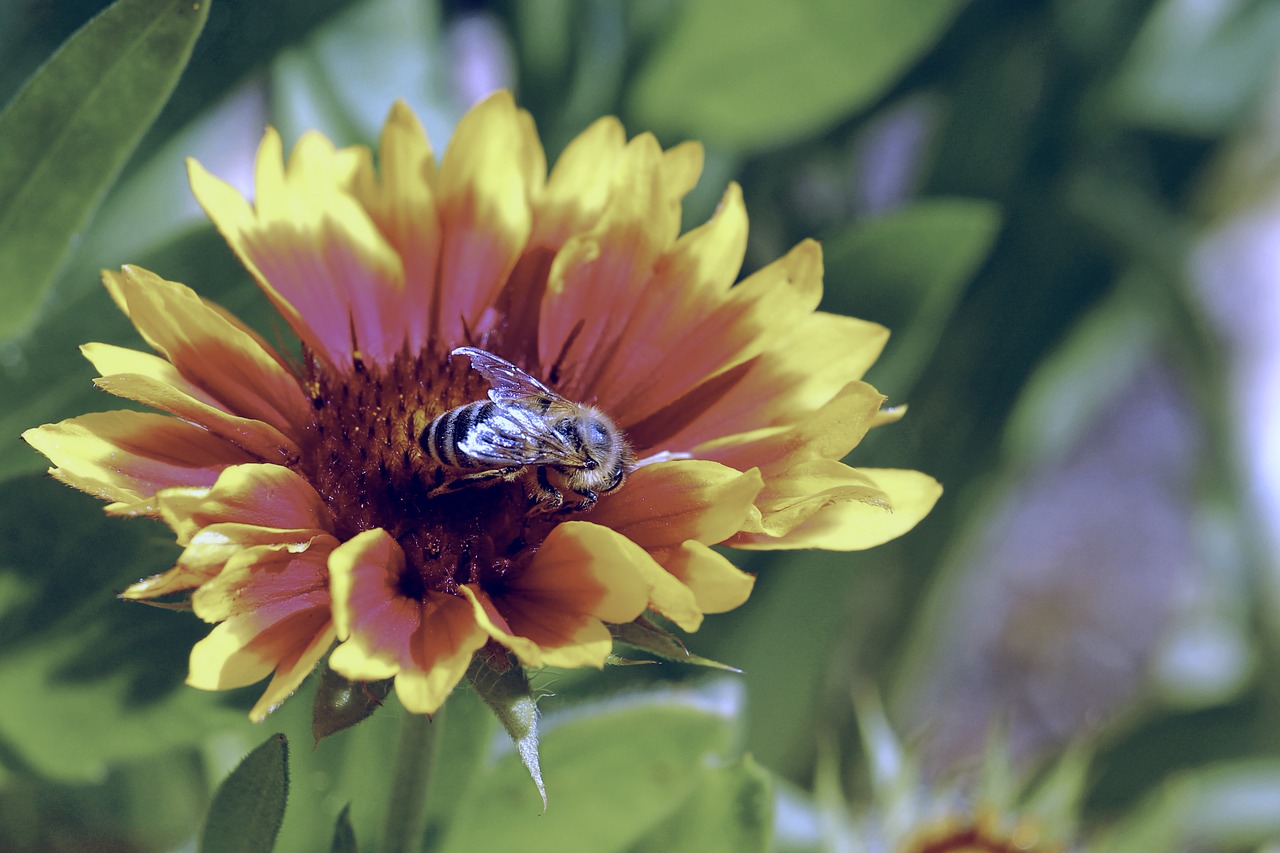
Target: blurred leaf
(1077,383)
(907,270)
(1229,806)
(68,133)
(511,699)
(730,811)
(753,73)
(1198,67)
(328,82)
(248,809)
(460,759)
(344,835)
(44,378)
(151,804)
(617,768)
(86,679)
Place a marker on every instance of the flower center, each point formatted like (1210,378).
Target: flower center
(364,460)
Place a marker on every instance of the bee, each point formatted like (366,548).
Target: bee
(525,431)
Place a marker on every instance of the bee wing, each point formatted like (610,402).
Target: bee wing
(508,383)
(515,434)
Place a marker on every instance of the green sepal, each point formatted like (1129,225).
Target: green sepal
(646,636)
(340,703)
(512,701)
(248,808)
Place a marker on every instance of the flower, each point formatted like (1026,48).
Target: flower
(308,510)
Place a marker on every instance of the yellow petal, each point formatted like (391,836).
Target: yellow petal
(852,525)
(314,250)
(491,170)
(829,433)
(154,382)
(261,495)
(277,620)
(580,184)
(127,457)
(441,650)
(401,200)
(717,585)
(211,352)
(681,168)
(211,548)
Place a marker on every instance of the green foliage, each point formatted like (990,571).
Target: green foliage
(730,62)
(910,267)
(1046,161)
(344,835)
(617,771)
(69,132)
(249,806)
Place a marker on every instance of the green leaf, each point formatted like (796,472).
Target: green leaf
(249,807)
(731,811)
(752,73)
(68,133)
(344,834)
(511,699)
(907,270)
(618,768)
(643,634)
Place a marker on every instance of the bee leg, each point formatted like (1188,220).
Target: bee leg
(543,493)
(490,477)
(588,501)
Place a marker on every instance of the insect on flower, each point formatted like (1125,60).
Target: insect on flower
(525,431)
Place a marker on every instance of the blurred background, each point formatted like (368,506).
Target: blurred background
(1067,212)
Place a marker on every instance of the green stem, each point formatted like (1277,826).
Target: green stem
(415,759)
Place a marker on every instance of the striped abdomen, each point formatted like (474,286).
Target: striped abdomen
(442,438)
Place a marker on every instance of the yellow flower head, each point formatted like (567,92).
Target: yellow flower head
(633,407)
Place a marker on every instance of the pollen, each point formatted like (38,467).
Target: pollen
(362,457)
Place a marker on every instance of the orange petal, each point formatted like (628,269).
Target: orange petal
(775,297)
(492,171)
(663,505)
(852,525)
(802,371)
(600,275)
(211,352)
(401,200)
(313,249)
(261,495)
(126,457)
(266,576)
(563,639)
(689,283)
(426,645)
